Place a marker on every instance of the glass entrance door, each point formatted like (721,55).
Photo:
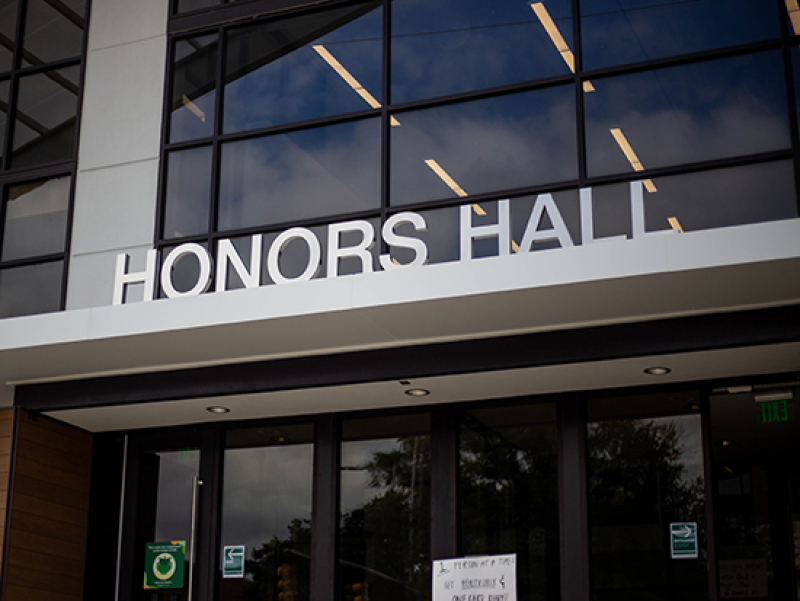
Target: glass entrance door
(756,436)
(165,532)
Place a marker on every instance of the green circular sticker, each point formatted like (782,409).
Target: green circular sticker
(164,566)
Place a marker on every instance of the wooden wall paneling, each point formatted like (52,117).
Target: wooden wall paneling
(6,440)
(45,555)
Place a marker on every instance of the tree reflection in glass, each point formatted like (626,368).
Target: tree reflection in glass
(644,473)
(509,492)
(384,533)
(267,509)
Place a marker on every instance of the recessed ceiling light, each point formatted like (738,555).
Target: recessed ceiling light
(418,392)
(218,409)
(657,371)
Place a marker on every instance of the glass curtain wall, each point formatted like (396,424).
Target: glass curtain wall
(656,466)
(663,116)
(41,46)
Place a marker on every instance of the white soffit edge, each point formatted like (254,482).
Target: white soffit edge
(664,276)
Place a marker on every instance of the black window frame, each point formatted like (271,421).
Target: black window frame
(15,176)
(228,14)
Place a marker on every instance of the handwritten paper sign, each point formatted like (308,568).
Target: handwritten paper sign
(742,578)
(486,578)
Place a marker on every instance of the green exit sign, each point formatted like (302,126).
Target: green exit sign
(774,411)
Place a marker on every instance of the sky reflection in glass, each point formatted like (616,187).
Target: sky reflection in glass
(696,112)
(444,47)
(498,143)
(309,173)
(616,32)
(294,69)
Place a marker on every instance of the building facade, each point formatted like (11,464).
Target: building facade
(298,298)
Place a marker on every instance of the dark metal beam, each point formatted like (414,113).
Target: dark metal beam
(668,336)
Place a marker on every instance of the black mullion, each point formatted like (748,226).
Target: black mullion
(14,81)
(708,485)
(279,227)
(216,152)
(240,12)
(75,151)
(325,508)
(189,144)
(19,35)
(5,139)
(573,499)
(684,59)
(386,128)
(216,147)
(210,505)
(30,173)
(37,260)
(444,483)
(64,63)
(127,579)
(735,161)
(445,203)
(166,121)
(580,124)
(67,240)
(299,125)
(791,96)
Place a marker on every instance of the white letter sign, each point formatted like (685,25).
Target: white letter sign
(122,277)
(486,578)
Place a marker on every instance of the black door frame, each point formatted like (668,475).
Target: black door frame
(205,440)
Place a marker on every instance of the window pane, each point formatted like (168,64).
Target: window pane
(312,66)
(31,289)
(482,146)
(8,32)
(266,508)
(699,201)
(309,173)
(645,472)
(53,30)
(44,129)
(384,528)
(443,47)
(684,114)
(184,6)
(509,493)
(188,192)
(36,219)
(193,88)
(616,32)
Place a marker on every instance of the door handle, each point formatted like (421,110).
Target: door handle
(196,484)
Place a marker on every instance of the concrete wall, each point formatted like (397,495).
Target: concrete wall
(115,200)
